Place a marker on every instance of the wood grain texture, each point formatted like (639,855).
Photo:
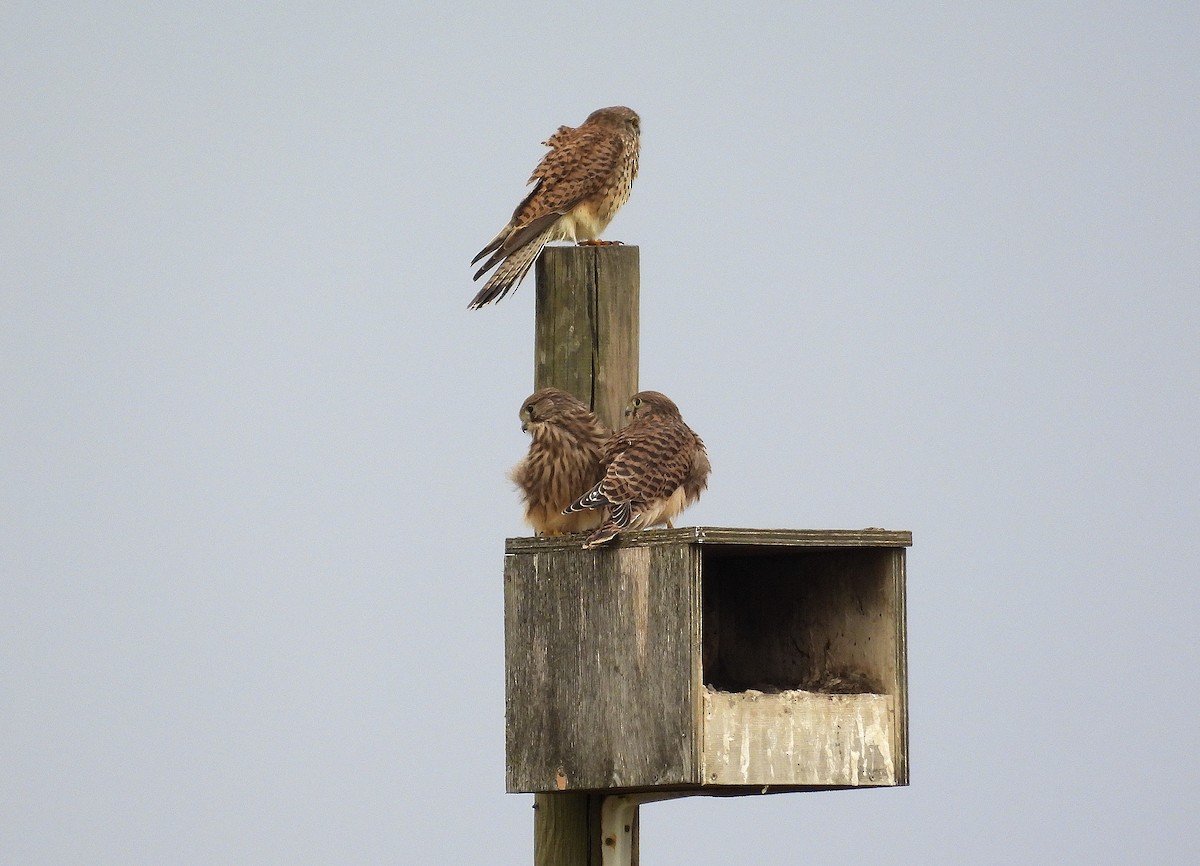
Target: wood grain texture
(825,619)
(730,536)
(798,738)
(587,322)
(566,828)
(585,342)
(601,680)
(618,292)
(898,611)
(613,658)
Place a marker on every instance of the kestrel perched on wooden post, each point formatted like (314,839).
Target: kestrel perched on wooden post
(654,468)
(578,188)
(562,463)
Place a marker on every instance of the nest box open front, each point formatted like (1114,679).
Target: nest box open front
(706,660)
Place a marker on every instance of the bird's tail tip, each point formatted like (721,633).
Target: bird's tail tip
(606,533)
(487,295)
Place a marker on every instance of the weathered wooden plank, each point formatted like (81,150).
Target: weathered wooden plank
(602,690)
(730,536)
(566,828)
(585,342)
(564,330)
(897,612)
(739,617)
(798,738)
(618,292)
(827,619)
(587,322)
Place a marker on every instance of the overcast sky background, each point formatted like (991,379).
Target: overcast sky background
(932,268)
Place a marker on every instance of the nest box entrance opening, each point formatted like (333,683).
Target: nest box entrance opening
(799,619)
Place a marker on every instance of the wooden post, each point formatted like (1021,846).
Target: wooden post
(586,342)
(586,331)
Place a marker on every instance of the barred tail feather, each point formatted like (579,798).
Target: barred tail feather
(511,271)
(607,532)
(497,256)
(592,499)
(620,518)
(494,244)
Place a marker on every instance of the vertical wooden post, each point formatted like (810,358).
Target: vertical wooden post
(586,331)
(585,342)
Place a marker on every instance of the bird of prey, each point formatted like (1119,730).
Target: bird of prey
(563,461)
(654,468)
(578,188)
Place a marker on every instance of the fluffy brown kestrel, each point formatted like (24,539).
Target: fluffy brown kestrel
(578,188)
(654,468)
(562,463)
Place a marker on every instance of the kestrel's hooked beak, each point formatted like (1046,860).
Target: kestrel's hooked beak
(524,426)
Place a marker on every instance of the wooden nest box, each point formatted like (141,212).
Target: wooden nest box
(707,661)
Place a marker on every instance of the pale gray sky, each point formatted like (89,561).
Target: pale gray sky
(931,268)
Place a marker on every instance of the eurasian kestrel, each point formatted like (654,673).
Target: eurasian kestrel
(578,188)
(562,463)
(654,468)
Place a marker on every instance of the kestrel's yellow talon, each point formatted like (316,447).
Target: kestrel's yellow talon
(599,243)
(578,188)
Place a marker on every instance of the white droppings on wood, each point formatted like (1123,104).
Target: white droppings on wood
(831,739)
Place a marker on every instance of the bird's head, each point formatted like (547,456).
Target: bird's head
(546,404)
(617,116)
(646,404)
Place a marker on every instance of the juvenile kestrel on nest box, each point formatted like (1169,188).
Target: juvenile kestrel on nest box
(578,188)
(562,463)
(654,468)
